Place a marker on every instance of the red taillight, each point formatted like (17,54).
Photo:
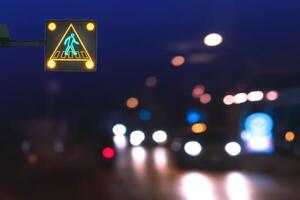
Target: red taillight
(108,152)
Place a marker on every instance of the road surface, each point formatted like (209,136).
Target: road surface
(151,174)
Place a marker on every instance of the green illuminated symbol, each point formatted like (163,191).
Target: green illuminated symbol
(70,41)
(66,51)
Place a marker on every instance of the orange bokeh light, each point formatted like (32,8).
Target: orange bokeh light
(178,61)
(199,128)
(289,136)
(132,102)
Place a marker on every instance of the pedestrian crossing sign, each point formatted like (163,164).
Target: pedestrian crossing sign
(71,46)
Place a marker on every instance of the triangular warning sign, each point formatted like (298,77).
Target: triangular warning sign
(70,47)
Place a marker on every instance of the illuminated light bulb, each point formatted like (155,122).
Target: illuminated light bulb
(90,26)
(90,65)
(52,26)
(51,64)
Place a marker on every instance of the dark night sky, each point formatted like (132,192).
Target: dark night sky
(260,49)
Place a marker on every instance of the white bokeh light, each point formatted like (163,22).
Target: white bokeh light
(120,141)
(240,98)
(233,148)
(137,137)
(159,136)
(213,39)
(255,96)
(119,129)
(192,148)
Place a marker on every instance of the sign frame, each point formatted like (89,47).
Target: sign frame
(83,32)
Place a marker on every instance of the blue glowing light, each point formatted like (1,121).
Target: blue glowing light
(69,42)
(257,135)
(145,115)
(193,116)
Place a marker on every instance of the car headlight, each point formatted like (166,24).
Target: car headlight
(192,148)
(233,148)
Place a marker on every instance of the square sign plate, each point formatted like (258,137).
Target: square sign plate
(71,45)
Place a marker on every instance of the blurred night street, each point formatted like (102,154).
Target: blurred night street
(150,174)
(150,100)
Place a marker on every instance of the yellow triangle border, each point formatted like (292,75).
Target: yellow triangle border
(71,59)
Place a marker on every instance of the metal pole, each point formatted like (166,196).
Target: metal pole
(27,42)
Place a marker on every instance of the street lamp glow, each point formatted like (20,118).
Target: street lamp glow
(213,39)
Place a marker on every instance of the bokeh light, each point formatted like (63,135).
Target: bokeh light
(289,136)
(213,39)
(233,148)
(272,95)
(178,61)
(120,141)
(132,102)
(151,81)
(198,90)
(255,96)
(119,129)
(193,116)
(240,98)
(32,158)
(197,186)
(205,98)
(228,100)
(25,146)
(108,152)
(160,136)
(137,137)
(192,148)
(145,115)
(199,128)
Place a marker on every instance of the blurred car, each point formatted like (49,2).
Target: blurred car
(209,151)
